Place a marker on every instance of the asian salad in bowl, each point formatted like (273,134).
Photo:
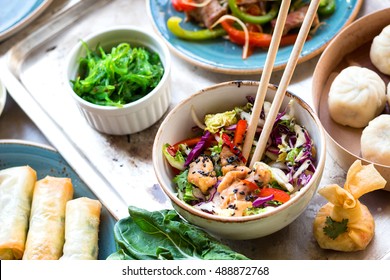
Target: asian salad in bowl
(199,163)
(211,171)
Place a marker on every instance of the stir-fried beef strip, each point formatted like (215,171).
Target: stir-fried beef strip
(295,19)
(207,15)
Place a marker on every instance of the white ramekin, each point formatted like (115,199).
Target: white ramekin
(135,116)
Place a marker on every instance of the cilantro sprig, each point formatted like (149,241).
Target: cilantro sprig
(333,229)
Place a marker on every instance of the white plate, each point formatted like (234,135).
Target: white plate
(14,15)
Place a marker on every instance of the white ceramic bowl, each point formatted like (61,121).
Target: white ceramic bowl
(135,116)
(177,126)
(3,97)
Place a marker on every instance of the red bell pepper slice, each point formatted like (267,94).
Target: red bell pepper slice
(172,150)
(190,142)
(256,39)
(226,139)
(279,195)
(181,6)
(251,186)
(240,132)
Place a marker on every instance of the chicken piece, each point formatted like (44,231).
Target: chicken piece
(230,167)
(228,157)
(235,199)
(262,175)
(201,173)
(237,174)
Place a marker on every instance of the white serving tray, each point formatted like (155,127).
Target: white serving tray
(119,168)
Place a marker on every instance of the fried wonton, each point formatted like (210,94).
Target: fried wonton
(345,224)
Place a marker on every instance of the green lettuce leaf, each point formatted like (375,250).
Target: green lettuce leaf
(214,122)
(176,161)
(185,188)
(163,235)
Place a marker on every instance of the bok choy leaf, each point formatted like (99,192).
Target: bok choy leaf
(163,235)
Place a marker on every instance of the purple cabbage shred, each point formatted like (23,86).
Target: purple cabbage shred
(198,149)
(260,201)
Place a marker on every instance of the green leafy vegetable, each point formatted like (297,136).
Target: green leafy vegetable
(333,228)
(164,235)
(122,76)
(185,188)
(254,211)
(216,121)
(293,154)
(177,161)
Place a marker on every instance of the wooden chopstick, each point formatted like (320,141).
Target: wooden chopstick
(265,77)
(285,81)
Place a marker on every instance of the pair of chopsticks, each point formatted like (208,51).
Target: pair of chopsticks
(285,80)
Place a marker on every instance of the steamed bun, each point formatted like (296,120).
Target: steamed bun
(375,140)
(356,96)
(380,51)
(388,93)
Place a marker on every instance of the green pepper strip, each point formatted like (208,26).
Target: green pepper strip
(173,24)
(327,7)
(251,18)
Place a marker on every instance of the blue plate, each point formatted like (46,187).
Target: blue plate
(46,161)
(220,55)
(14,15)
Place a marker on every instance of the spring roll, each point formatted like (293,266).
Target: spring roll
(82,229)
(46,235)
(16,192)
